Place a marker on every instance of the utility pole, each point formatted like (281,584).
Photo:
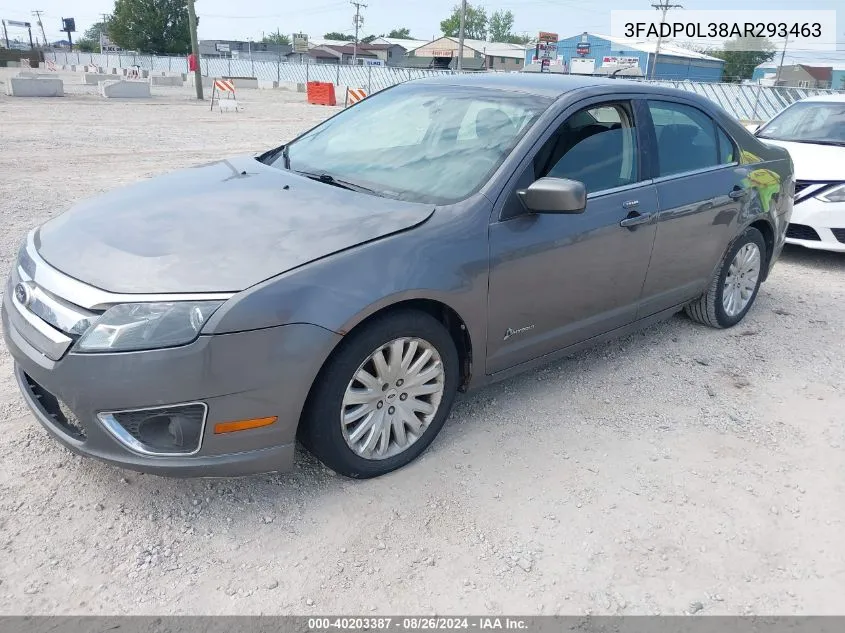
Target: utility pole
(358,21)
(6,34)
(663,6)
(105,17)
(37,13)
(195,47)
(461,32)
(782,55)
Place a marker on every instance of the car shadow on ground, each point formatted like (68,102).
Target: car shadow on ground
(811,258)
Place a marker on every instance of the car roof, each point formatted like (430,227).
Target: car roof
(832,98)
(542,84)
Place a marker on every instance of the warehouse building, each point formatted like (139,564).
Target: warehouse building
(477,54)
(591,54)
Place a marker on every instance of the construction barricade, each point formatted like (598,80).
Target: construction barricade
(354,95)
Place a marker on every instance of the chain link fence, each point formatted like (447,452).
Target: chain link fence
(745,102)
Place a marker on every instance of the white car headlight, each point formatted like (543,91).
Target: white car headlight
(836,194)
(141,326)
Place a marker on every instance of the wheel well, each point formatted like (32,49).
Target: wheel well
(450,319)
(769,238)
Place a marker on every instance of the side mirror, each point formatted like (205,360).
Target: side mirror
(554,195)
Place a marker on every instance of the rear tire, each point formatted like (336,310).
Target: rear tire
(371,383)
(735,284)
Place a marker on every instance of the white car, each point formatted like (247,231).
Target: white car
(813,131)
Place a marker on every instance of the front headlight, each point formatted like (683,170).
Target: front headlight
(138,326)
(837,194)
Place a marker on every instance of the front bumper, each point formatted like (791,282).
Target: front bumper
(827,221)
(246,375)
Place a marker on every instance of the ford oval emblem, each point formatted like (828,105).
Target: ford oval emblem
(23,294)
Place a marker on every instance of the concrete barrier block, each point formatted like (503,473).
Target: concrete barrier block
(11,64)
(28,73)
(116,89)
(92,79)
(157,80)
(206,81)
(246,84)
(29,87)
(263,84)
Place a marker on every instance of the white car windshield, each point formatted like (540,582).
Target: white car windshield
(420,142)
(808,122)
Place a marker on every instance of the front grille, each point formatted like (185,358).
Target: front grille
(839,234)
(802,232)
(57,410)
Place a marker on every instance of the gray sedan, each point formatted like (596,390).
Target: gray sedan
(340,289)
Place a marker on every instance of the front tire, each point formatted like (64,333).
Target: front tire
(735,284)
(383,396)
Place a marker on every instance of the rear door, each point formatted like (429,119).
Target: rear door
(699,189)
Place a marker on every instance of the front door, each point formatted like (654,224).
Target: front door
(556,279)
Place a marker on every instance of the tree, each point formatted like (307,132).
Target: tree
(501,23)
(742,55)
(151,26)
(369,38)
(343,37)
(87,45)
(276,38)
(90,41)
(93,32)
(400,34)
(475,27)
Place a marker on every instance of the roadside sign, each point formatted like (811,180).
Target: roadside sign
(583,48)
(373,62)
(300,43)
(24,25)
(546,36)
(620,61)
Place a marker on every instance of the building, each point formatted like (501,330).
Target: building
(803,71)
(591,54)
(235,49)
(802,76)
(443,53)
(407,45)
(389,54)
(335,54)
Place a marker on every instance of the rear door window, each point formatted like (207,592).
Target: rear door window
(686,138)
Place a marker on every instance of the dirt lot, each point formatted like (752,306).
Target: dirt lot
(680,469)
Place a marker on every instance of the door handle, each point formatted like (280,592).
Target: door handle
(635,219)
(737,194)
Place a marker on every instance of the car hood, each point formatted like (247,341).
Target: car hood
(814,162)
(220,227)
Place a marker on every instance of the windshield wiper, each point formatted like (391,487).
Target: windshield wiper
(335,182)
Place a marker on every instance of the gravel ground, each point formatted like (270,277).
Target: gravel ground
(678,470)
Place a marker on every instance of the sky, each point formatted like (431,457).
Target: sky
(244,19)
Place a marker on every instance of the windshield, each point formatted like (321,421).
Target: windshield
(808,122)
(420,143)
